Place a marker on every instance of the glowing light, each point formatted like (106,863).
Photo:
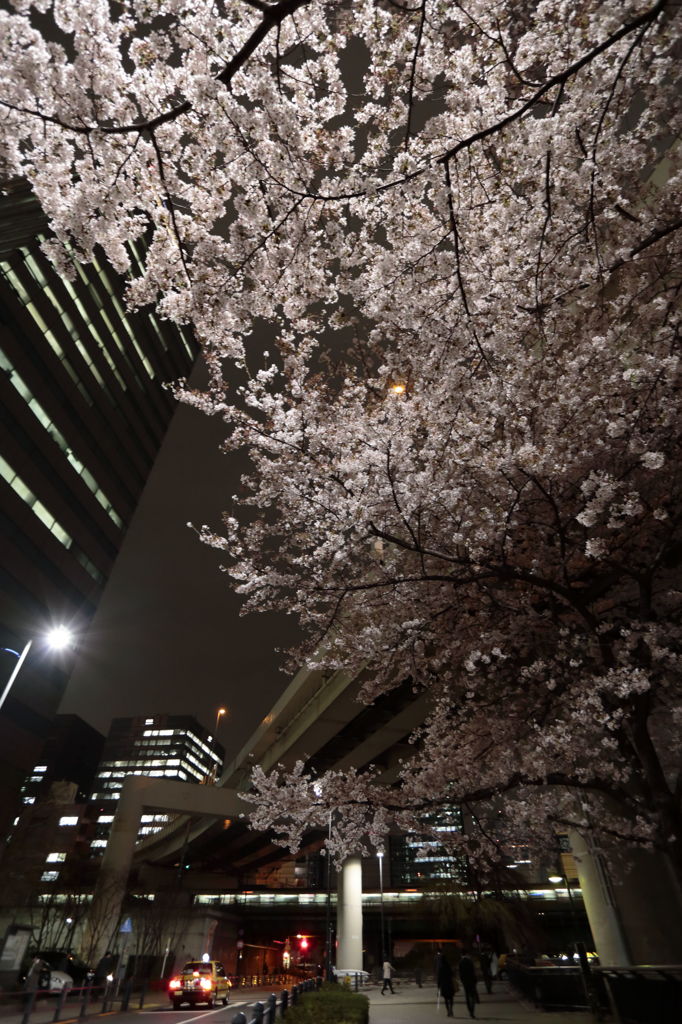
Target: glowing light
(59,638)
(397,389)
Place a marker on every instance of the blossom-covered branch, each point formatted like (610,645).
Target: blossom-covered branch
(460,225)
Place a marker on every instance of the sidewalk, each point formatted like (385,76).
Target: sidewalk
(413,1005)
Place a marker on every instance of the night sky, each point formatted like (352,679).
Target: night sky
(167,636)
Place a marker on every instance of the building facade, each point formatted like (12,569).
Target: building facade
(161,746)
(83,412)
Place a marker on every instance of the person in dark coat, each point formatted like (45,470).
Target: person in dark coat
(485,959)
(467,975)
(104,968)
(446,984)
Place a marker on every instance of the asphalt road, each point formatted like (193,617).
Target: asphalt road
(162,1013)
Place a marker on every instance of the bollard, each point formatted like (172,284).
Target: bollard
(239,1018)
(258,1009)
(272,1008)
(284,1002)
(28,1006)
(87,996)
(143,992)
(125,998)
(294,995)
(60,1004)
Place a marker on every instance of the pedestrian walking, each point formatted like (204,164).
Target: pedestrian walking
(445,980)
(104,969)
(467,975)
(387,971)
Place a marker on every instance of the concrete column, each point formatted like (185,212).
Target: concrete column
(349,914)
(600,905)
(138,792)
(104,912)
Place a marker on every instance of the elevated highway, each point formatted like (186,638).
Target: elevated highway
(318,719)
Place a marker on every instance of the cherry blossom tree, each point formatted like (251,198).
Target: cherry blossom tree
(458,222)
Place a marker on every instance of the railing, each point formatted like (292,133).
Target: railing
(629,995)
(552,987)
(45,1007)
(266,1013)
(73,1002)
(644,995)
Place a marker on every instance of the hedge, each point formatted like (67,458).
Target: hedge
(332,1004)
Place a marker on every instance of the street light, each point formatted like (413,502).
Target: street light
(219,714)
(57,639)
(380,855)
(559,880)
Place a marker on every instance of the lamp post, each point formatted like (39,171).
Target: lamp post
(213,774)
(58,638)
(578,944)
(219,714)
(380,855)
(558,880)
(329,974)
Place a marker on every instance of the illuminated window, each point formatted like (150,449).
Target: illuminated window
(68,820)
(55,858)
(49,876)
(37,507)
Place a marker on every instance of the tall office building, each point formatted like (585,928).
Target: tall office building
(83,412)
(162,746)
(71,754)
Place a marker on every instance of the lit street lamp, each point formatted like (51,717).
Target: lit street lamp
(57,639)
(380,855)
(219,714)
(559,880)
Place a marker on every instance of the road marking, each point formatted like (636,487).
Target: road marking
(200,1016)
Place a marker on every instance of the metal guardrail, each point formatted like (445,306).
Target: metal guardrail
(644,995)
(624,995)
(74,1001)
(92,1000)
(266,1013)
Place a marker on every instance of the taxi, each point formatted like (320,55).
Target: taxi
(199,981)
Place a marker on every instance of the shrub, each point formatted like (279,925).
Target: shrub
(332,1004)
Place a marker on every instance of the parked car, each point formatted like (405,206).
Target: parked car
(42,977)
(349,977)
(65,961)
(199,981)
